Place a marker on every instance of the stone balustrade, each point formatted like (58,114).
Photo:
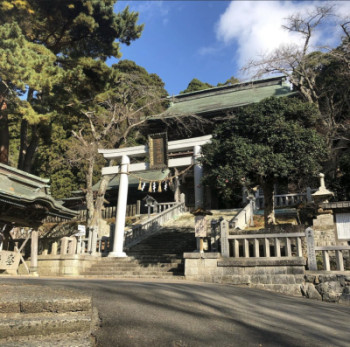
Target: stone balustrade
(285,200)
(260,245)
(162,206)
(266,245)
(326,250)
(244,217)
(143,230)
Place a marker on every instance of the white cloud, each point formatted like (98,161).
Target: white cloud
(255,27)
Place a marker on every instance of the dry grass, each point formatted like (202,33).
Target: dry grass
(259,221)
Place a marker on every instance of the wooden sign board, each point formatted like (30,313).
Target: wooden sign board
(200,227)
(9,260)
(158,151)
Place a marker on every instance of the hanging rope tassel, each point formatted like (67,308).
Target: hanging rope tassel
(140,185)
(150,187)
(159,186)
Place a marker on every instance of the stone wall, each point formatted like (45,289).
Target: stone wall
(325,231)
(331,287)
(283,275)
(62,265)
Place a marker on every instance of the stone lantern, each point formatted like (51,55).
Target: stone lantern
(322,195)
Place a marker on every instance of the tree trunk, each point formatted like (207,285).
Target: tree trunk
(99,203)
(31,149)
(89,193)
(269,203)
(4,139)
(23,144)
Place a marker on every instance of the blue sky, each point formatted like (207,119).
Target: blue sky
(212,40)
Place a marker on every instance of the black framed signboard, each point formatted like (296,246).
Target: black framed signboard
(158,151)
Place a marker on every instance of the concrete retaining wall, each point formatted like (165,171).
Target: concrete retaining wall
(63,265)
(283,275)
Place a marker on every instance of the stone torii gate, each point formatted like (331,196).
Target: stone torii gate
(192,144)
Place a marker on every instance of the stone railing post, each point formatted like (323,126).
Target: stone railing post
(72,245)
(311,255)
(54,248)
(34,253)
(225,250)
(64,245)
(214,235)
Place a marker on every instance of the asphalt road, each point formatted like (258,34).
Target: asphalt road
(181,313)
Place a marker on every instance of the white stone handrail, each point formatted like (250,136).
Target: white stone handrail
(141,231)
(282,200)
(162,206)
(338,256)
(243,218)
(279,241)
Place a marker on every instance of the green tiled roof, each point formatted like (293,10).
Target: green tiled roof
(227,97)
(20,189)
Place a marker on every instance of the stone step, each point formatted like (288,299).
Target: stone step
(129,273)
(31,324)
(162,276)
(25,299)
(162,267)
(28,313)
(76,339)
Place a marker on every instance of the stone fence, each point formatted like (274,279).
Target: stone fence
(285,200)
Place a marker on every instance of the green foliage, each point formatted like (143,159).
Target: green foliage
(270,140)
(25,65)
(232,80)
(74,28)
(196,85)
(55,52)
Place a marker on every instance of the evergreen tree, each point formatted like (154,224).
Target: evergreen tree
(80,35)
(264,143)
(196,85)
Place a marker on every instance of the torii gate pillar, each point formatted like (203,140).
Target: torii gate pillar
(118,242)
(198,174)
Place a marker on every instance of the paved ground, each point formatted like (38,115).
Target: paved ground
(181,313)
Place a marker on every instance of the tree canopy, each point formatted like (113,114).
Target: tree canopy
(66,44)
(197,85)
(262,144)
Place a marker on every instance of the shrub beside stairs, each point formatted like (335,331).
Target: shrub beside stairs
(32,315)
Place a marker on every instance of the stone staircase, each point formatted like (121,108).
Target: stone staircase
(32,315)
(159,256)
